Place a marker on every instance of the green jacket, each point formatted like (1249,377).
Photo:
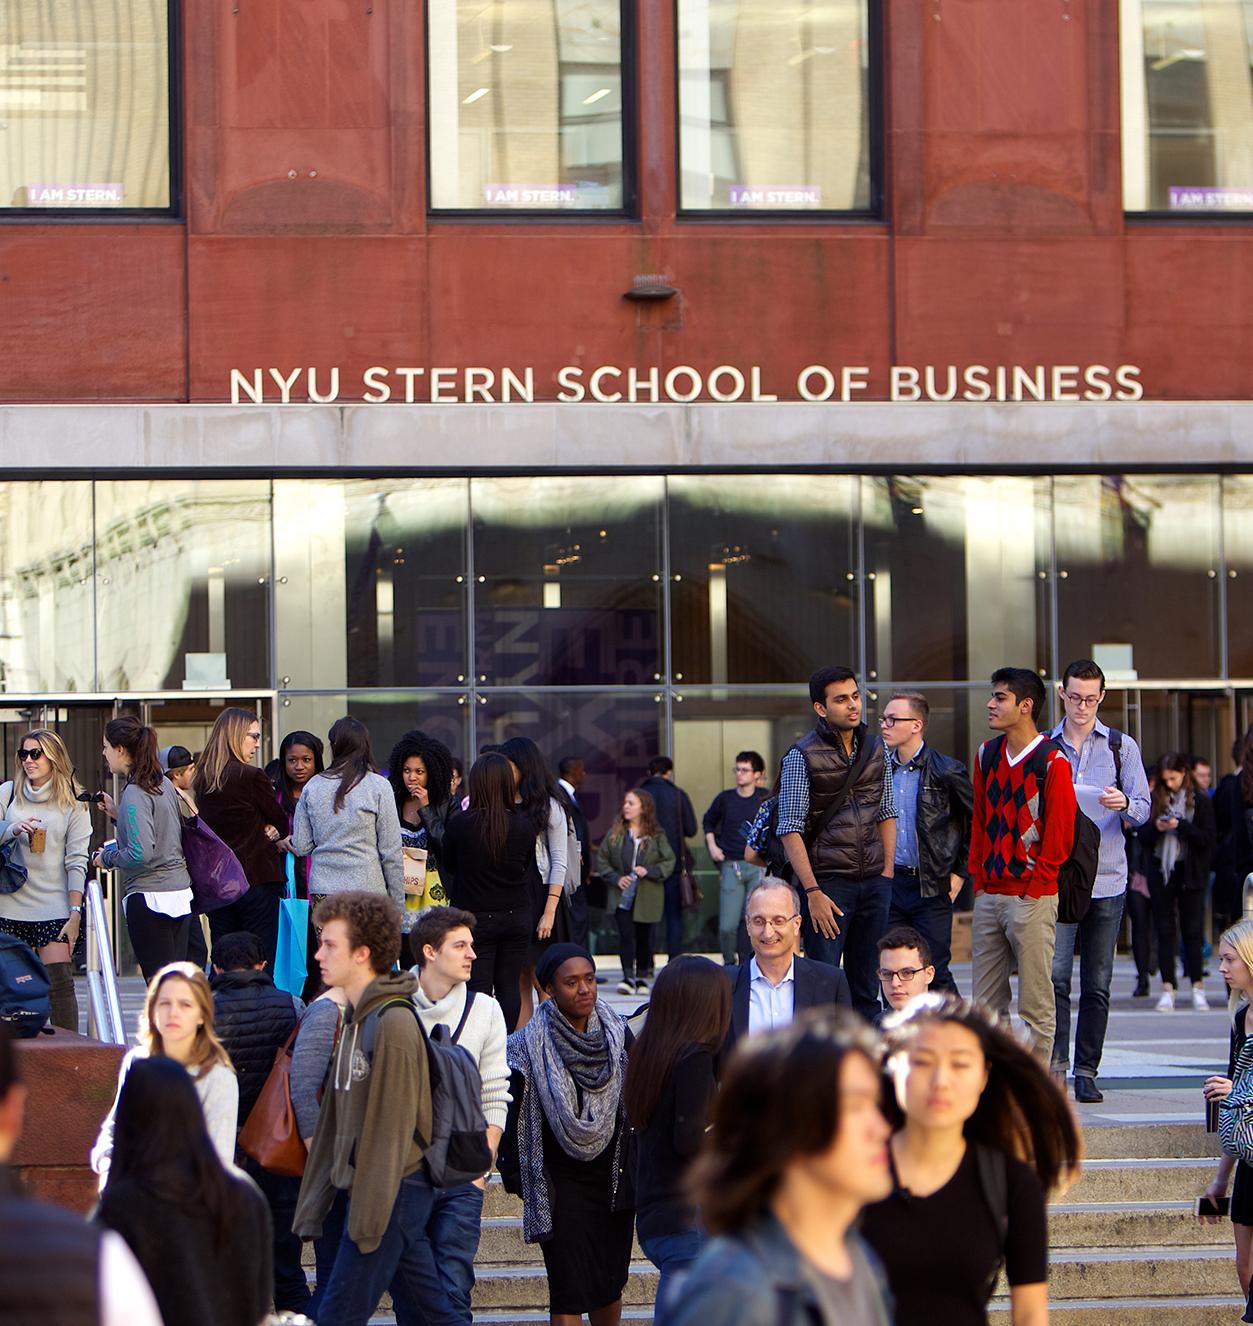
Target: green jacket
(613,860)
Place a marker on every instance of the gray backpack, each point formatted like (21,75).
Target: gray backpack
(457,1151)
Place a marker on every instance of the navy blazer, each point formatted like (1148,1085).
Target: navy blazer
(814,985)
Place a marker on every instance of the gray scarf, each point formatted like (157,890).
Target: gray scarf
(574,1083)
(1171,849)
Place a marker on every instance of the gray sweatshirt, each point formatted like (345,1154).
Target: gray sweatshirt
(57,871)
(149,850)
(357,847)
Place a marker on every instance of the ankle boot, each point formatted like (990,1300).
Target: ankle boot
(63,997)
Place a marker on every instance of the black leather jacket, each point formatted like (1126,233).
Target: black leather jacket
(944,811)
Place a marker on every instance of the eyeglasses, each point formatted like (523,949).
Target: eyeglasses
(904,975)
(891,720)
(1082,701)
(253,736)
(31,753)
(774,922)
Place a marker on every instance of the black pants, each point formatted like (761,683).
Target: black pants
(1175,910)
(291,1288)
(256,912)
(635,943)
(501,941)
(157,940)
(1143,936)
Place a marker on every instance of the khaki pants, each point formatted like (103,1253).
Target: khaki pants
(1006,929)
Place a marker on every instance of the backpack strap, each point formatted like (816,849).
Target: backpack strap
(370,1031)
(989,755)
(1115,749)
(854,773)
(465,1013)
(994,1184)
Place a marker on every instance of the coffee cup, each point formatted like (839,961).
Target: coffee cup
(38,840)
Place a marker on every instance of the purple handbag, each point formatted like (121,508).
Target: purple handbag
(217,878)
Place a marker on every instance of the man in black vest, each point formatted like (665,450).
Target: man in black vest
(54,1266)
(837,823)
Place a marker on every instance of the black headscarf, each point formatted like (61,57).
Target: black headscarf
(553,957)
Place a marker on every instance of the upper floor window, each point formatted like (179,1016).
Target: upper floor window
(1187,106)
(526,105)
(85,106)
(774,106)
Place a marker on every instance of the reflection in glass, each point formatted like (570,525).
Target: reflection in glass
(526,104)
(1138,585)
(182,584)
(46,593)
(1187,97)
(953,569)
(764,588)
(568,575)
(1238,537)
(774,105)
(84,95)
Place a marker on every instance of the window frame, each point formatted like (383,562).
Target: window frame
(628,26)
(876,83)
(132,215)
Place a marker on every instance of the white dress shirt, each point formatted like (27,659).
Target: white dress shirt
(770,1006)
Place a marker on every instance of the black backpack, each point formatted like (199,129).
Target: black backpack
(457,1150)
(1077,873)
(25,1004)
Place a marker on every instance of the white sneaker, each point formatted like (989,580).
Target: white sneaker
(1166,1004)
(626,987)
(1199,1001)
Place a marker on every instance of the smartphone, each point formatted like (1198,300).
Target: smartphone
(1207,1206)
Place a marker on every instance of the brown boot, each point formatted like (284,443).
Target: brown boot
(62,995)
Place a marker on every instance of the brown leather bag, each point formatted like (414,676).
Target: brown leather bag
(270,1134)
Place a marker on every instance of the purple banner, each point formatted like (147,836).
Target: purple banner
(1183,199)
(776,195)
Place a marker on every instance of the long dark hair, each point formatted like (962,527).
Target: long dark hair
(161,1143)
(779,1100)
(690,1010)
(282,784)
(438,760)
(1021,1111)
(1176,763)
(140,743)
(537,787)
(351,756)
(491,801)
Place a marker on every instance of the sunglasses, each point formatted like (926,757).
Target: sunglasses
(31,753)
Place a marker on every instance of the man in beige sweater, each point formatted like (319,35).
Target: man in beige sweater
(365,1174)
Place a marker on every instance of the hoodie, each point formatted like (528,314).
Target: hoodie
(364,1143)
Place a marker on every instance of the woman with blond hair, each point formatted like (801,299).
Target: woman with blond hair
(1235,964)
(636,856)
(177,1022)
(41,810)
(236,801)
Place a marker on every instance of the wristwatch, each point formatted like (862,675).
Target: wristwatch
(77,908)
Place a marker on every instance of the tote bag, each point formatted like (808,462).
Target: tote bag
(217,878)
(271,1135)
(291,956)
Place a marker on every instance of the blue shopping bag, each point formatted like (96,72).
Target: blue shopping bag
(290,960)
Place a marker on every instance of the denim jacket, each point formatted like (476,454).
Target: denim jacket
(757,1279)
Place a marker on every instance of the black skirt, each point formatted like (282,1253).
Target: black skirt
(588,1257)
(1242,1195)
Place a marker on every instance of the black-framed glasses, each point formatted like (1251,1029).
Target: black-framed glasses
(891,720)
(1082,701)
(904,975)
(31,753)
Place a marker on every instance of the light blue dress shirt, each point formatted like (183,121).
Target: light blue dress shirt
(770,1006)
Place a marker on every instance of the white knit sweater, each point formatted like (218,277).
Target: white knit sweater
(483,1037)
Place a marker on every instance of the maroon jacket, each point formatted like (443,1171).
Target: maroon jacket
(238,813)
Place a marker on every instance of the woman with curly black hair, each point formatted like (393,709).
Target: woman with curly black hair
(420,772)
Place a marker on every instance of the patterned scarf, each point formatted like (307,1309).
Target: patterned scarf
(1171,849)
(574,1083)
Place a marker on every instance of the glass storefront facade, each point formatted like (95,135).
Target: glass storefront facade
(615,617)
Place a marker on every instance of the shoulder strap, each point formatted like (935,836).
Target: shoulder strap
(465,1013)
(863,755)
(994,1183)
(989,755)
(370,1031)
(1115,748)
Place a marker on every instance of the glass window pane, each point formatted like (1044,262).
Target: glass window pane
(182,584)
(1137,568)
(980,603)
(568,575)
(774,107)
(371,582)
(526,105)
(85,99)
(1187,96)
(46,604)
(764,586)
(1238,534)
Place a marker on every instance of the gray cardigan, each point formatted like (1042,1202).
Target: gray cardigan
(357,847)
(149,850)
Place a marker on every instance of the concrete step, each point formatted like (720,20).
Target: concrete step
(1148,1180)
(1148,1140)
(1120,1273)
(1131,1225)
(1190,1310)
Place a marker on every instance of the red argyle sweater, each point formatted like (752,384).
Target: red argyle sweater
(1019,838)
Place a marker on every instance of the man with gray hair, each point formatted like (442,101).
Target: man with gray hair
(775,983)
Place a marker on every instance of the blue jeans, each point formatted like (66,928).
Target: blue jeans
(359,1279)
(735,878)
(932,918)
(672,1255)
(447,1275)
(865,904)
(1098,935)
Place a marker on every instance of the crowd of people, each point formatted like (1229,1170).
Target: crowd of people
(447,1018)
